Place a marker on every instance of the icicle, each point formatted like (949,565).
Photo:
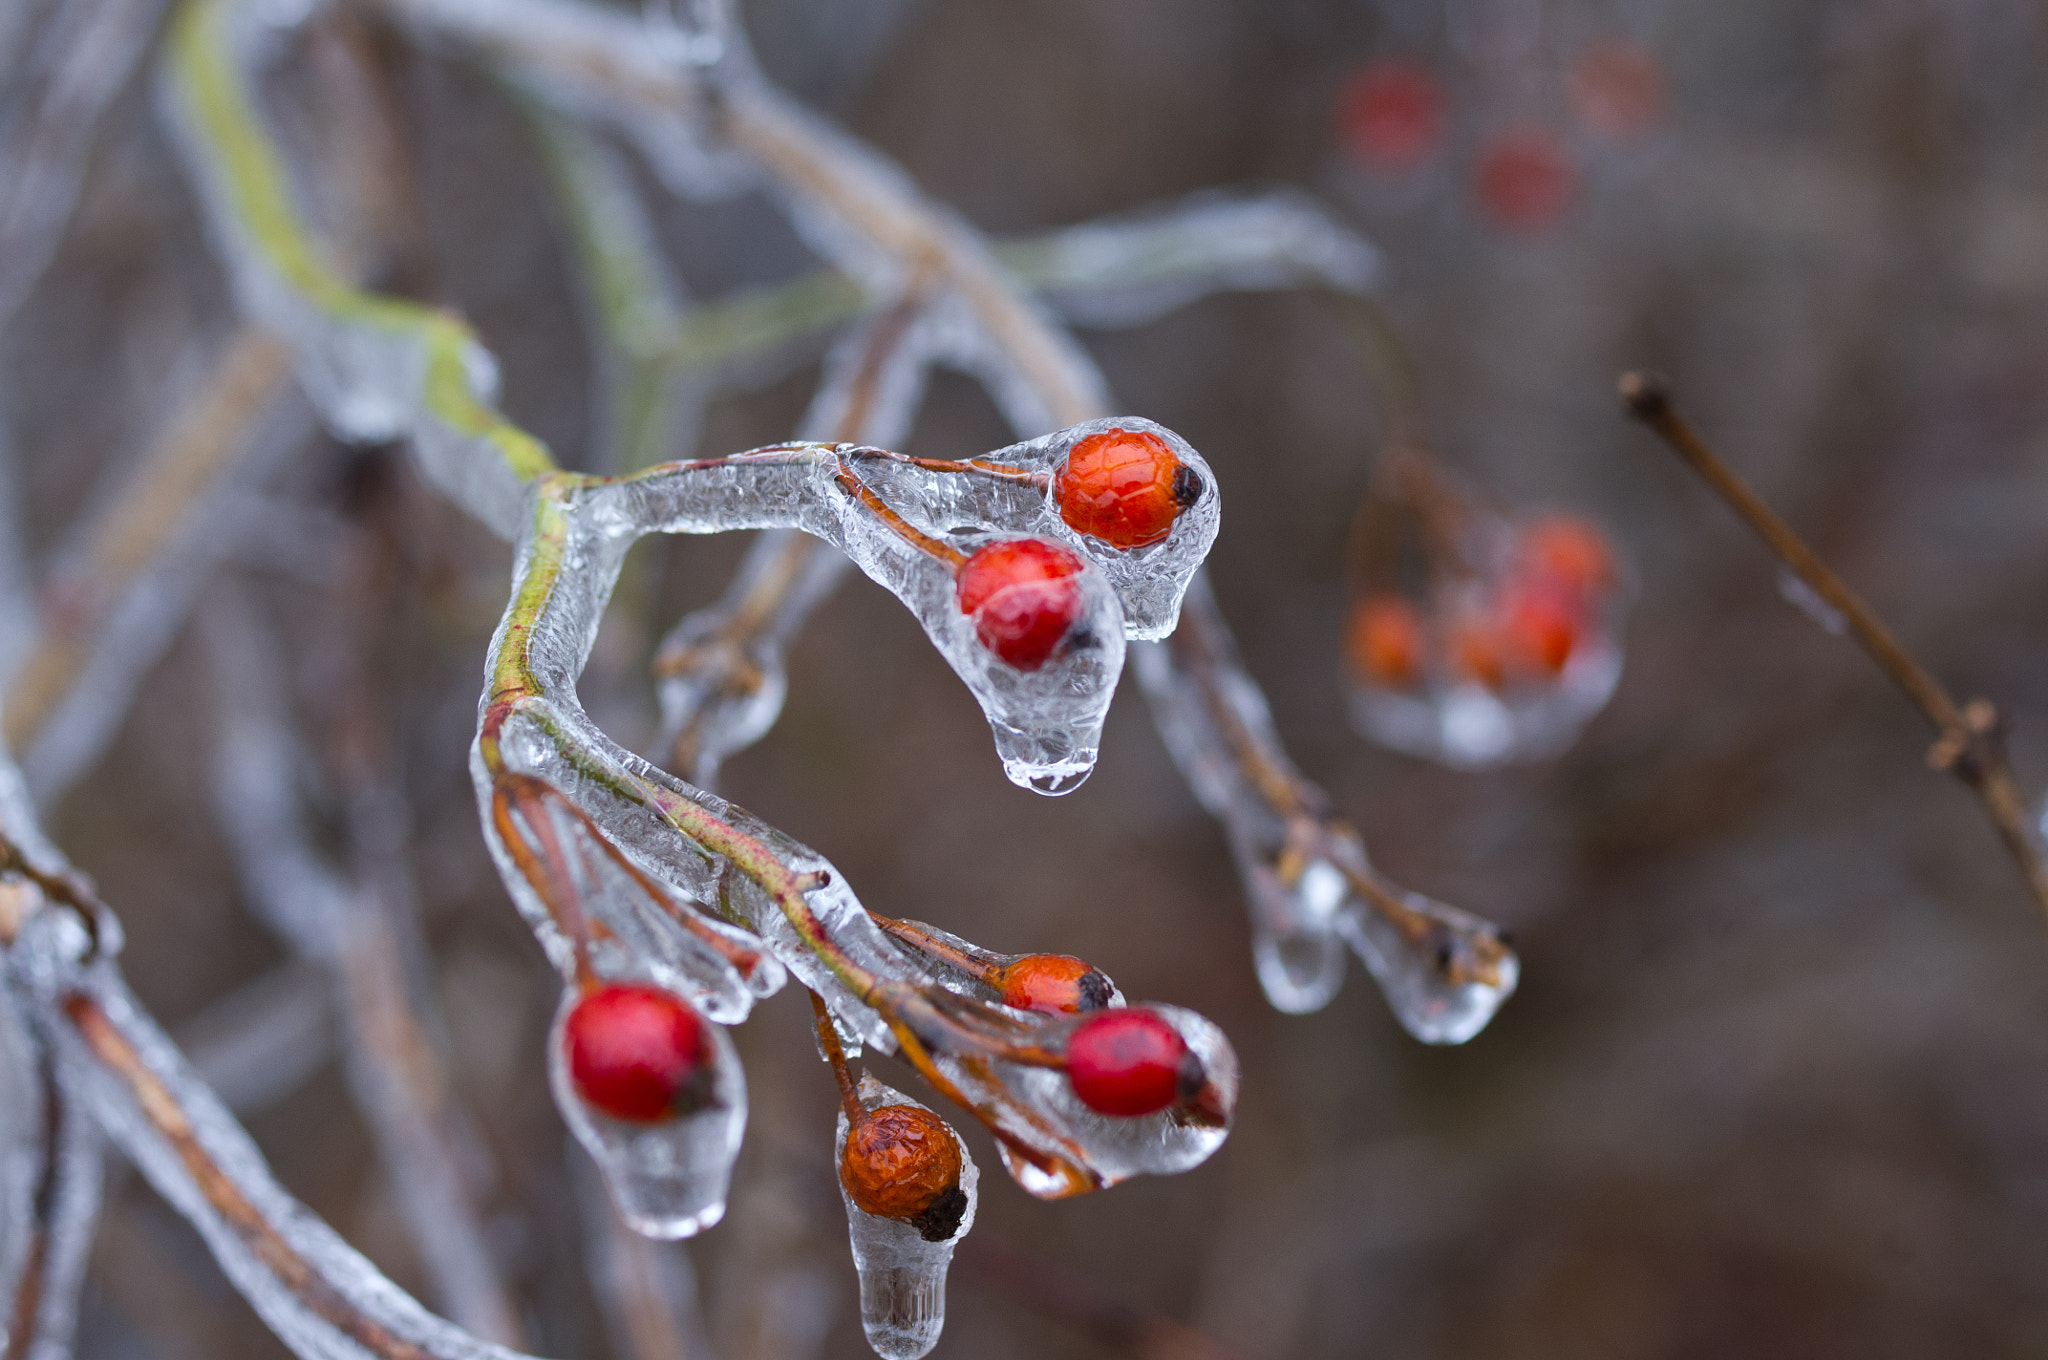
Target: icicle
(902,1264)
(1443,971)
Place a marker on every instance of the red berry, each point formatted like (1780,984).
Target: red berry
(1525,181)
(1618,88)
(1052,984)
(1392,115)
(1124,487)
(1128,1062)
(1568,552)
(1385,641)
(1539,628)
(1023,598)
(638,1053)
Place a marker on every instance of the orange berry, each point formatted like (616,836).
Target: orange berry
(1392,115)
(1568,552)
(1385,641)
(1617,88)
(1053,984)
(1124,487)
(1540,629)
(901,1163)
(1477,651)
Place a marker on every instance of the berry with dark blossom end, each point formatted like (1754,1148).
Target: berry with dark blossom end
(1053,984)
(1385,641)
(901,1163)
(1124,487)
(1131,1062)
(1023,597)
(638,1053)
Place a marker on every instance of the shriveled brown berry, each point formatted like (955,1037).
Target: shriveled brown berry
(901,1163)
(1053,984)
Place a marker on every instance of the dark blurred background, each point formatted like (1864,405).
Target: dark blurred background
(1773,1082)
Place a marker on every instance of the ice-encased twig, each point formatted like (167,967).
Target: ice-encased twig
(58,946)
(50,1174)
(395,1073)
(79,62)
(1311,888)
(721,671)
(867,217)
(375,368)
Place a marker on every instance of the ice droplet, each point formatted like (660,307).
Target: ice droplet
(902,1275)
(1444,972)
(1295,946)
(668,1179)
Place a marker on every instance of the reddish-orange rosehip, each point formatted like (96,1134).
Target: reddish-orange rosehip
(901,1163)
(1476,650)
(1053,984)
(1124,487)
(1128,1062)
(1569,553)
(1385,641)
(1525,182)
(1392,115)
(638,1053)
(1023,598)
(1617,88)
(1540,629)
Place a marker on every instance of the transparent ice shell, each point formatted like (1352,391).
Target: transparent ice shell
(668,1179)
(902,1276)
(1035,1111)
(1443,971)
(1466,725)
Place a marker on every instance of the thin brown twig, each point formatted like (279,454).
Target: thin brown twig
(835,1054)
(1969,738)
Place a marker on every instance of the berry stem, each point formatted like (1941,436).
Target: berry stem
(926,943)
(1969,738)
(835,1054)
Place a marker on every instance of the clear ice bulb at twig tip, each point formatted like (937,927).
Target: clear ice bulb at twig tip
(902,1252)
(667,1176)
(1444,972)
(1296,949)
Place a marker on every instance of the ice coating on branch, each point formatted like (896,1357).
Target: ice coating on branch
(902,1272)
(1127,271)
(1811,602)
(374,368)
(1508,662)
(338,1300)
(1444,971)
(1309,887)
(668,1179)
(50,1175)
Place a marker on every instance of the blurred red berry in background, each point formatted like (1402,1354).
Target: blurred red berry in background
(1525,181)
(1392,115)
